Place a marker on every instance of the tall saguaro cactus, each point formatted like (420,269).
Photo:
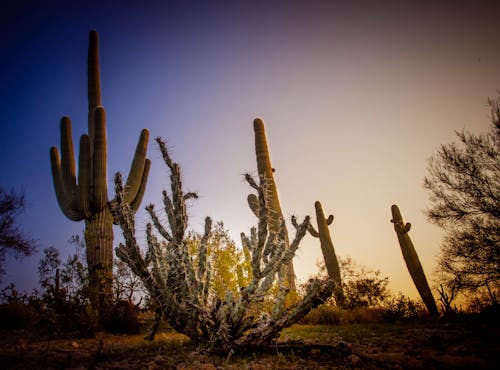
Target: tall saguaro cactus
(331,262)
(86,197)
(265,171)
(412,262)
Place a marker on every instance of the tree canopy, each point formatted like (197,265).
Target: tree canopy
(12,237)
(464,185)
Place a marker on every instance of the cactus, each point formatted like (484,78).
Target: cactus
(181,282)
(331,262)
(412,262)
(86,197)
(271,197)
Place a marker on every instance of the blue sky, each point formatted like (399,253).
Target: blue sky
(355,98)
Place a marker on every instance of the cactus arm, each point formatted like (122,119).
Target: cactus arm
(68,170)
(412,261)
(94,82)
(313,231)
(253,203)
(99,159)
(134,205)
(136,173)
(65,200)
(83,193)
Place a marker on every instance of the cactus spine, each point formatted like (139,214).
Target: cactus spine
(412,262)
(265,171)
(86,198)
(331,262)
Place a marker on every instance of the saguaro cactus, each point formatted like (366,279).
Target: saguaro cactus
(412,262)
(265,171)
(87,198)
(331,262)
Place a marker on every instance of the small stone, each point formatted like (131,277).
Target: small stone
(75,344)
(354,360)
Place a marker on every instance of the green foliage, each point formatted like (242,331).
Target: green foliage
(231,270)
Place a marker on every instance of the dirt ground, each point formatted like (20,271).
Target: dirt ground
(470,344)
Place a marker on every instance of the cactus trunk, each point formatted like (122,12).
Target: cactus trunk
(412,262)
(87,199)
(99,253)
(331,262)
(271,195)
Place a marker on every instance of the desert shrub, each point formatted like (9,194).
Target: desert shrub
(17,315)
(323,315)
(360,315)
(18,310)
(401,307)
(122,318)
(362,286)
(328,314)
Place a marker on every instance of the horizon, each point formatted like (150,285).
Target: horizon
(355,99)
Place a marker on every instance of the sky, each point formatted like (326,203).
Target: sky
(356,96)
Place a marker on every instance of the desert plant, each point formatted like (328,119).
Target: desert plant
(266,171)
(87,198)
(412,262)
(362,286)
(331,262)
(181,283)
(12,237)
(464,186)
(400,307)
(122,318)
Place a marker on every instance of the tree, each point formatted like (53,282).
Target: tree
(464,186)
(230,267)
(12,237)
(362,286)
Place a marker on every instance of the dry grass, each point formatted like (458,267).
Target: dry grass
(471,343)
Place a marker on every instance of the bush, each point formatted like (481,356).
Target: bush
(17,315)
(323,315)
(401,307)
(122,318)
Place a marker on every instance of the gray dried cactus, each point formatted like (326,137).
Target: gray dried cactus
(180,281)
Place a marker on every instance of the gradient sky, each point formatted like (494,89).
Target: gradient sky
(356,97)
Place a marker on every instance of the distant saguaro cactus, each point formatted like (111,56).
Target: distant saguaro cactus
(412,262)
(265,171)
(87,198)
(331,262)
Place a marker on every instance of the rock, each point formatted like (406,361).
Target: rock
(353,360)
